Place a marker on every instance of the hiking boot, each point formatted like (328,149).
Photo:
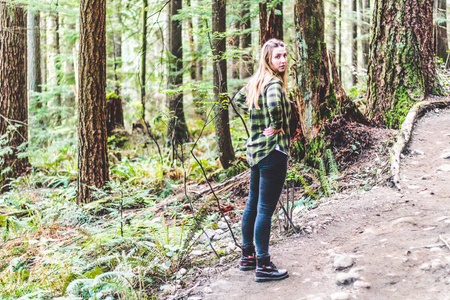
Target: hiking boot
(266,271)
(248,259)
(247,263)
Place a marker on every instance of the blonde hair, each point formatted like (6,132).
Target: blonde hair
(264,74)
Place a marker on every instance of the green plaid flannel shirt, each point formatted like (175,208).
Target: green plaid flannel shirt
(275,112)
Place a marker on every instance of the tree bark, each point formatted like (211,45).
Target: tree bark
(177,132)
(13,92)
(222,126)
(401,67)
(271,26)
(441,30)
(93,167)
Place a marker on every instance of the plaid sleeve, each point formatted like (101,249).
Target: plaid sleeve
(274,93)
(240,98)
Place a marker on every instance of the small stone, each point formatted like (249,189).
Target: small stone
(362,284)
(347,278)
(222,225)
(425,267)
(426,177)
(209,233)
(197,252)
(207,290)
(195,298)
(413,187)
(168,289)
(444,168)
(181,272)
(446,155)
(340,296)
(436,264)
(342,262)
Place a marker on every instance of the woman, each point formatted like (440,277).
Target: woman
(264,97)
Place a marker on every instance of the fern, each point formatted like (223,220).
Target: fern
(323,177)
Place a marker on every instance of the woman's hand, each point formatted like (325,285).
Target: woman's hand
(269,131)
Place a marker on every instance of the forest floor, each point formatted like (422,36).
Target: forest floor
(381,243)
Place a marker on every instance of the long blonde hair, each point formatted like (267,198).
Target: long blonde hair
(264,74)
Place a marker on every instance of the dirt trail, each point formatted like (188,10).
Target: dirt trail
(394,240)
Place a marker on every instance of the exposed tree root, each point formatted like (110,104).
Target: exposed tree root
(404,135)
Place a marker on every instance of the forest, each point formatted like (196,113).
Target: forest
(122,158)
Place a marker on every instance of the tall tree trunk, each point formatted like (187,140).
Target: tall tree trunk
(177,132)
(317,91)
(401,66)
(54,64)
(222,121)
(441,30)
(34,53)
(44,53)
(235,68)
(332,28)
(354,41)
(117,47)
(271,26)
(93,167)
(13,92)
(365,32)
(246,42)
(340,39)
(193,60)
(143,55)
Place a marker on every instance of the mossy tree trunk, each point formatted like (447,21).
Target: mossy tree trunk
(93,166)
(13,92)
(222,120)
(401,63)
(313,88)
(317,88)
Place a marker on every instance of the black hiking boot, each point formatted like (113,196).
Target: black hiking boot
(248,260)
(266,271)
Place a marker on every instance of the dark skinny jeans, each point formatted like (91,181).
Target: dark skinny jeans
(266,183)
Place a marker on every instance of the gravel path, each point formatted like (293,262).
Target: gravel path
(379,244)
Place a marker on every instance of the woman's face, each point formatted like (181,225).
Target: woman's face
(279,58)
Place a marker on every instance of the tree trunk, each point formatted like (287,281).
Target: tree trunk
(222,125)
(177,132)
(270,26)
(143,55)
(317,91)
(93,167)
(441,30)
(340,40)
(401,66)
(54,64)
(332,28)
(354,41)
(114,113)
(44,53)
(246,42)
(117,48)
(13,92)
(365,32)
(34,54)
